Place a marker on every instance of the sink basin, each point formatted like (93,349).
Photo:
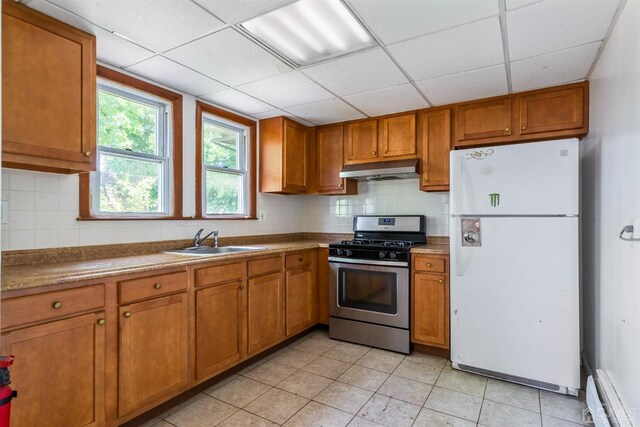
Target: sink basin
(210,250)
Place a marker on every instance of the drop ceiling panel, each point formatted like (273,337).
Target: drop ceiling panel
(514,4)
(286,90)
(554,68)
(464,48)
(557,24)
(157,25)
(389,100)
(327,111)
(362,72)
(174,75)
(233,11)
(275,113)
(229,57)
(110,48)
(475,84)
(237,101)
(395,20)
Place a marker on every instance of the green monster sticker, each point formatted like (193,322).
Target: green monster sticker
(495,199)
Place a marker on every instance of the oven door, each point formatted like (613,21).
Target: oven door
(370,291)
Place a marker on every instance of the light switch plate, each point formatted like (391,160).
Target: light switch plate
(5,212)
(262,216)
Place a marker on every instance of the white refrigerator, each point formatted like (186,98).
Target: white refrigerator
(515,312)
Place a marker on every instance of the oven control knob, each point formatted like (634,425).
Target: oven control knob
(381,254)
(348,252)
(339,252)
(392,255)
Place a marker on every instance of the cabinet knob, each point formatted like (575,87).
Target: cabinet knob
(506,129)
(241,287)
(428,264)
(373,153)
(440,281)
(524,127)
(127,314)
(101,322)
(340,185)
(424,180)
(157,286)
(87,153)
(56,305)
(299,259)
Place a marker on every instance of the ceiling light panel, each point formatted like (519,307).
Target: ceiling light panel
(309,31)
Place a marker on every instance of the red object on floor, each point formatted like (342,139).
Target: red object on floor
(6,394)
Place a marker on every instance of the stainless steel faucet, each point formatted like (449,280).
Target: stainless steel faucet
(197,240)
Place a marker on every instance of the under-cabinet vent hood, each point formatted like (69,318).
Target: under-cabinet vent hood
(379,171)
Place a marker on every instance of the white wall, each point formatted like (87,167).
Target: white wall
(611,199)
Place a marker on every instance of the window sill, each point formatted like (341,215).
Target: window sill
(133,218)
(225,217)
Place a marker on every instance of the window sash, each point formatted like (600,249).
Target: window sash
(163,150)
(243,162)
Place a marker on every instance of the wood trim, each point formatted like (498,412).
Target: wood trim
(201,108)
(177,125)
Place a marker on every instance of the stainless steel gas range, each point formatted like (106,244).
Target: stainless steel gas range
(369,282)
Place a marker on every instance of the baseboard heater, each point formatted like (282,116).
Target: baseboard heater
(603,401)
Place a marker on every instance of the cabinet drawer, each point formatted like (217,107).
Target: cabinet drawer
(434,265)
(220,274)
(296,260)
(35,308)
(152,286)
(265,265)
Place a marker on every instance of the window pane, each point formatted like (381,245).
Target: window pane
(129,185)
(127,124)
(224,193)
(221,146)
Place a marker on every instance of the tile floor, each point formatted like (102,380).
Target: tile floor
(317,381)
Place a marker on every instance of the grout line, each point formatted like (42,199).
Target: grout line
(505,42)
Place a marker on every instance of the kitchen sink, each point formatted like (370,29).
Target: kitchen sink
(211,251)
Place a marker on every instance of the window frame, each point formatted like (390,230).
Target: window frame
(228,119)
(172,150)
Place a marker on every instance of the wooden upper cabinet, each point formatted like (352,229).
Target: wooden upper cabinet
(329,161)
(67,356)
(485,120)
(153,349)
(265,312)
(552,111)
(435,143)
(361,141)
(220,326)
(284,156)
(48,93)
(398,136)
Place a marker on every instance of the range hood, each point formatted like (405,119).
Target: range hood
(379,171)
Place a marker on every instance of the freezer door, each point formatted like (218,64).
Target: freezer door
(539,178)
(514,299)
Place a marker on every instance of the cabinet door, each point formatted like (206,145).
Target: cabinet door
(398,136)
(59,373)
(48,92)
(330,159)
(295,155)
(551,111)
(219,328)
(430,323)
(301,299)
(435,144)
(361,141)
(153,351)
(265,311)
(488,120)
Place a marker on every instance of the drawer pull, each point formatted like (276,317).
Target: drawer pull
(440,281)
(101,322)
(56,305)
(428,264)
(157,286)
(127,314)
(299,259)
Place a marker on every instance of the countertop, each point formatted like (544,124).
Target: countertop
(25,276)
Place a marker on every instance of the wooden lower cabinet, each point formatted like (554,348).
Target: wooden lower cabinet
(153,345)
(430,303)
(59,372)
(265,312)
(301,299)
(220,326)
(323,285)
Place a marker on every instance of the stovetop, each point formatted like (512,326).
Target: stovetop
(397,245)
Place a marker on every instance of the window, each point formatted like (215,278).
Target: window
(138,167)
(226,160)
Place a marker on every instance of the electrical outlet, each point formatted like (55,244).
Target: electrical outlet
(262,216)
(5,212)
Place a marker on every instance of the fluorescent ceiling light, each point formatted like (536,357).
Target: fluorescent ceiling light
(309,31)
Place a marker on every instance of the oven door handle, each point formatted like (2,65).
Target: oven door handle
(368,262)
